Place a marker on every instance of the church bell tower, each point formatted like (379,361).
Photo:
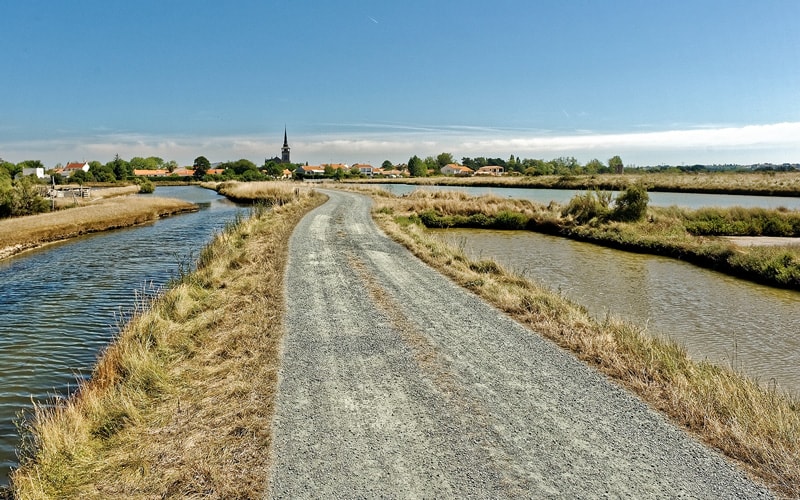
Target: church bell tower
(285,148)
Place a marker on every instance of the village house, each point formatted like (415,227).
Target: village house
(37,171)
(457,170)
(365,169)
(490,170)
(150,173)
(310,171)
(71,168)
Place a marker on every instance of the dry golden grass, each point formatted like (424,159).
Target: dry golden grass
(783,183)
(273,192)
(23,233)
(180,405)
(757,427)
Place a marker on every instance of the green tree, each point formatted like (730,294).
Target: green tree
(615,164)
(594,166)
(431,165)
(171,166)
(102,173)
(122,169)
(26,198)
(631,204)
(273,169)
(387,165)
(443,159)
(5,189)
(416,167)
(201,166)
(81,177)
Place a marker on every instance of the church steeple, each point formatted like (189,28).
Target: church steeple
(285,148)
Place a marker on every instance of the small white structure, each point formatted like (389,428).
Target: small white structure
(37,171)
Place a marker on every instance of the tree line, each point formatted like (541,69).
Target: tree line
(565,165)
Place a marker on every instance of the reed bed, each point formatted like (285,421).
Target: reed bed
(23,233)
(271,192)
(759,183)
(180,404)
(664,231)
(757,427)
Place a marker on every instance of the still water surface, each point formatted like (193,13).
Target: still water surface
(60,305)
(723,319)
(562,196)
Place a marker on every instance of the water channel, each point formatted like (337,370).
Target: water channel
(728,321)
(562,196)
(60,305)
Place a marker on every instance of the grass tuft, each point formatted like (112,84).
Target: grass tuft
(756,426)
(177,403)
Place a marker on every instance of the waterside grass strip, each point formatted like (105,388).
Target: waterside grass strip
(23,233)
(749,183)
(665,231)
(757,427)
(180,404)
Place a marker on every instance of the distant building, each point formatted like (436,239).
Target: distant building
(37,171)
(285,148)
(457,170)
(364,169)
(71,168)
(490,170)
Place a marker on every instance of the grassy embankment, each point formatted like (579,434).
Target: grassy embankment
(23,233)
(756,183)
(691,235)
(759,428)
(180,404)
(98,193)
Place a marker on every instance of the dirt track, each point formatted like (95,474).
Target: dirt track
(395,382)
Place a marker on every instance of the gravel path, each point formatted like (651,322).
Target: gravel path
(397,383)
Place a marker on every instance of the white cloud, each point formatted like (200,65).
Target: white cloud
(375,142)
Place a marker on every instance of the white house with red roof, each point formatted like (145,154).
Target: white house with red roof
(459,170)
(71,168)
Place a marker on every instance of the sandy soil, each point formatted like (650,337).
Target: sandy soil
(762,241)
(395,382)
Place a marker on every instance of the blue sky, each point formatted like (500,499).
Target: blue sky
(674,82)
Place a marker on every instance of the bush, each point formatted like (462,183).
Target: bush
(145,185)
(631,204)
(737,221)
(510,220)
(590,205)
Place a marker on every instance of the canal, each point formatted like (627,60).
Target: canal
(62,304)
(732,322)
(562,196)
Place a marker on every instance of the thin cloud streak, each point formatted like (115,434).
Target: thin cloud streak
(376,142)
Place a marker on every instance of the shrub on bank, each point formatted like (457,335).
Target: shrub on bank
(739,221)
(631,204)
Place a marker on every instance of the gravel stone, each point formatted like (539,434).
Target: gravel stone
(395,382)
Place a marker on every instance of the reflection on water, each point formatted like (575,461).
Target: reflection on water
(562,196)
(59,306)
(717,317)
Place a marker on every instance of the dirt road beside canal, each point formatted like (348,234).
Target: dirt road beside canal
(396,382)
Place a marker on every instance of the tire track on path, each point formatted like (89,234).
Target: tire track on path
(395,382)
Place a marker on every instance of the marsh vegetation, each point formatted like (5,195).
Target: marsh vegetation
(180,403)
(691,235)
(758,427)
